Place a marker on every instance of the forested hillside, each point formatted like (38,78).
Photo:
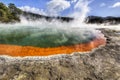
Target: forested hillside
(9,13)
(103,20)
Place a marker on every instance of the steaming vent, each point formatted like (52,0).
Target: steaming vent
(36,37)
(45,41)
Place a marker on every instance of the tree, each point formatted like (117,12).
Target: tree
(4,11)
(10,13)
(3,7)
(14,11)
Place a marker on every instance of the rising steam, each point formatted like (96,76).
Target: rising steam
(81,8)
(33,30)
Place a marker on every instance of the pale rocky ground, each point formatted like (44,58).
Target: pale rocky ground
(101,64)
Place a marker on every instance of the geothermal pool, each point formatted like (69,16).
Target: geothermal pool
(37,41)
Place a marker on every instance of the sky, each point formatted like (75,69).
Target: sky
(67,7)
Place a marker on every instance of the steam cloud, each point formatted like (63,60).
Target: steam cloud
(56,7)
(81,8)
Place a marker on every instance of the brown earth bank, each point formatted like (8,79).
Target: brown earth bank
(23,51)
(100,64)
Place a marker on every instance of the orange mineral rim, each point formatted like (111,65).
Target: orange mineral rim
(22,51)
(89,40)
